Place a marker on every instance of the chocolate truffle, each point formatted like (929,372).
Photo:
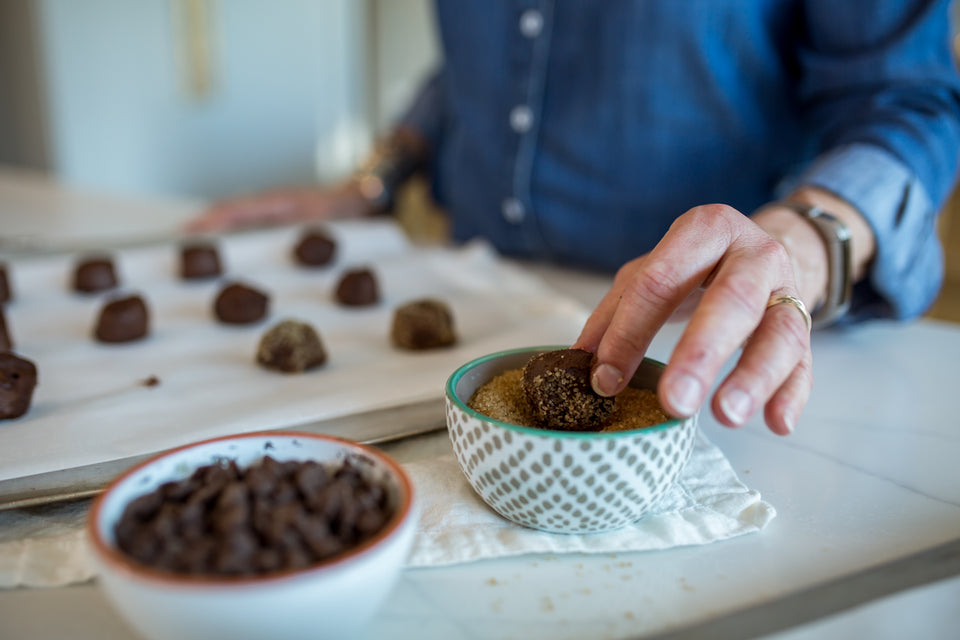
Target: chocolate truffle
(6,292)
(199,260)
(315,248)
(123,320)
(358,288)
(94,274)
(557,386)
(423,324)
(292,347)
(239,304)
(18,377)
(6,342)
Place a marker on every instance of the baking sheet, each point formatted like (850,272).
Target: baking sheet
(91,405)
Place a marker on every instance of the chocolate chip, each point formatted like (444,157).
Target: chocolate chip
(271,516)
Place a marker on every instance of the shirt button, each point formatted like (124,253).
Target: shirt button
(531,23)
(513,211)
(521,117)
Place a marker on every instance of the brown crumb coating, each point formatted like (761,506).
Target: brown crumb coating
(291,346)
(557,386)
(502,399)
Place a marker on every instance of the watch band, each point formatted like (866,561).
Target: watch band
(836,236)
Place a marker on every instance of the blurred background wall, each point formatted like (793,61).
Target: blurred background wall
(203,98)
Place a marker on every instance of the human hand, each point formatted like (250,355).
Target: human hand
(284,205)
(739,268)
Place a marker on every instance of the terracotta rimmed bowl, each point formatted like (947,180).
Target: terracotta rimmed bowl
(562,481)
(333,599)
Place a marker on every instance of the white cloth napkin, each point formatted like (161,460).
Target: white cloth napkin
(708,504)
(46,547)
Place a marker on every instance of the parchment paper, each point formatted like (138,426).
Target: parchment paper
(91,404)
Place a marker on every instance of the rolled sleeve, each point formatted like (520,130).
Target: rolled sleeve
(884,98)
(907,271)
(425,114)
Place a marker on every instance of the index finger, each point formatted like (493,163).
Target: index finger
(687,256)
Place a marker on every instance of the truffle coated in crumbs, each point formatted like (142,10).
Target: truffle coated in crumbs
(291,346)
(557,386)
(502,399)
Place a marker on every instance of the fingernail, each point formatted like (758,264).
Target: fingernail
(789,421)
(684,394)
(736,405)
(606,380)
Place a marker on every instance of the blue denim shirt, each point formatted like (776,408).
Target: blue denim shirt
(577,131)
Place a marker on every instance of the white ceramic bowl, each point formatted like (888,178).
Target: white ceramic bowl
(333,599)
(562,481)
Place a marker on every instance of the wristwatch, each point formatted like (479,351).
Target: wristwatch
(836,236)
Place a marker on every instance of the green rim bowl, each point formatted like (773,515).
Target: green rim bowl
(563,481)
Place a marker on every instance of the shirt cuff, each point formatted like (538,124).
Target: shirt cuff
(425,114)
(907,270)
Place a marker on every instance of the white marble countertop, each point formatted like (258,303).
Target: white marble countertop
(868,497)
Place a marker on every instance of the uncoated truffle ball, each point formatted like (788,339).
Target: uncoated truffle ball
(314,249)
(423,324)
(358,288)
(123,320)
(557,386)
(240,304)
(199,260)
(18,378)
(94,274)
(291,346)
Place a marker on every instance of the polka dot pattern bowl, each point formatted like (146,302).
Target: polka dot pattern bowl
(562,481)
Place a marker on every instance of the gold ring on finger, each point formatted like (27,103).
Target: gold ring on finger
(796,303)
